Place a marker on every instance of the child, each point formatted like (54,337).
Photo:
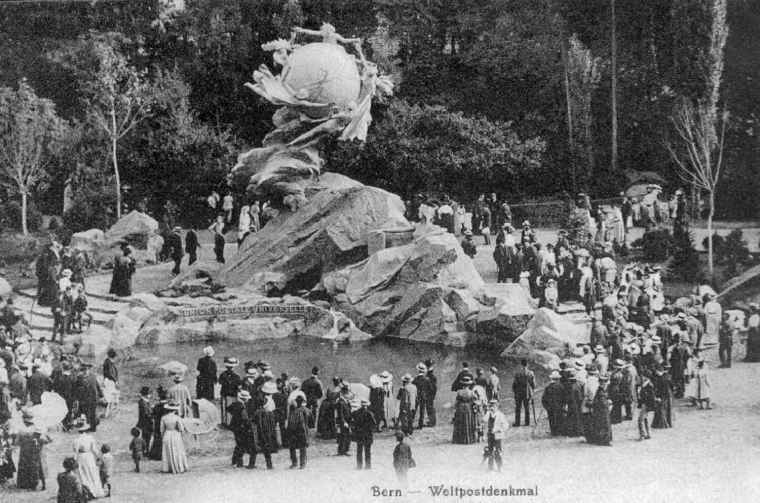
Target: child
(136,447)
(402,458)
(80,309)
(106,468)
(69,487)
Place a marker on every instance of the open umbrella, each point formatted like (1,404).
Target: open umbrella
(51,411)
(174,367)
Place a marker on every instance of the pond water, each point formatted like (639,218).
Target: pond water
(355,362)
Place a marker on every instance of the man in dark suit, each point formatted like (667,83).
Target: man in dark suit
(38,384)
(109,367)
(433,392)
(174,244)
(191,246)
(145,418)
(230,384)
(522,387)
(364,425)
(424,392)
(87,394)
(312,388)
(64,383)
(343,421)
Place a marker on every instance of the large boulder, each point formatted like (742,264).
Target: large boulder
(136,229)
(548,338)
(422,291)
(327,233)
(510,309)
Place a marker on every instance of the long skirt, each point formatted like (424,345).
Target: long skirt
(464,425)
(89,473)
(173,458)
(753,346)
(326,420)
(599,430)
(30,467)
(663,414)
(157,446)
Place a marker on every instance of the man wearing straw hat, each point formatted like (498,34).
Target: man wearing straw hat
(422,383)
(242,429)
(496,425)
(343,421)
(364,425)
(230,384)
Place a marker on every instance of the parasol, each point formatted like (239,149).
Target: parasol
(208,418)
(174,367)
(358,392)
(51,411)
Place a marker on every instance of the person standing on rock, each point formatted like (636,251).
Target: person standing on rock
(206,380)
(123,269)
(424,392)
(191,246)
(522,388)
(217,227)
(174,244)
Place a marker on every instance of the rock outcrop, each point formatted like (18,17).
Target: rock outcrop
(328,232)
(423,291)
(153,320)
(510,309)
(548,338)
(136,229)
(5,288)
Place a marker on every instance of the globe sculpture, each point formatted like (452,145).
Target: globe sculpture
(322,91)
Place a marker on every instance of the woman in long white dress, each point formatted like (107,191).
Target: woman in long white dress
(86,451)
(174,457)
(390,404)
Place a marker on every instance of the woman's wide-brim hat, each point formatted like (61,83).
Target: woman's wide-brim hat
(269,388)
(294,382)
(208,351)
(375,381)
(386,376)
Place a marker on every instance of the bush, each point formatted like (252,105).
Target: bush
(10,215)
(685,263)
(91,210)
(735,250)
(719,246)
(656,245)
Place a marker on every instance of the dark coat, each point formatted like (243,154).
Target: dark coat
(174,245)
(424,389)
(266,434)
(342,415)
(312,388)
(552,398)
(145,418)
(402,458)
(204,387)
(17,386)
(457,384)
(70,488)
(191,242)
(38,384)
(647,396)
(573,400)
(121,281)
(87,390)
(63,384)
(110,371)
(298,428)
(230,383)
(524,383)
(364,425)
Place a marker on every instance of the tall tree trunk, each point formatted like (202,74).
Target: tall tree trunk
(710,214)
(613,46)
(570,138)
(24,225)
(117,178)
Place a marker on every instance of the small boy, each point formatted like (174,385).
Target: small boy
(136,447)
(80,309)
(106,468)
(402,458)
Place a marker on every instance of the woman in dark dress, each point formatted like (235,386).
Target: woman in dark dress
(265,430)
(600,431)
(7,468)
(663,412)
(326,415)
(32,466)
(464,414)
(158,412)
(123,269)
(377,400)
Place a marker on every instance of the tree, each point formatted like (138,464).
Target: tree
(30,134)
(696,123)
(118,97)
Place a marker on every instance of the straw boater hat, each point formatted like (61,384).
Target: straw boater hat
(269,388)
(177,228)
(599,348)
(208,351)
(554,376)
(263,365)
(466,380)
(579,365)
(591,369)
(493,401)
(468,233)
(526,223)
(421,368)
(230,361)
(27,416)
(604,377)
(252,371)
(407,378)
(243,395)
(619,364)
(656,340)
(294,382)
(386,376)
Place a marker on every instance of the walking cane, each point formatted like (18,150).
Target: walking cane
(533,408)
